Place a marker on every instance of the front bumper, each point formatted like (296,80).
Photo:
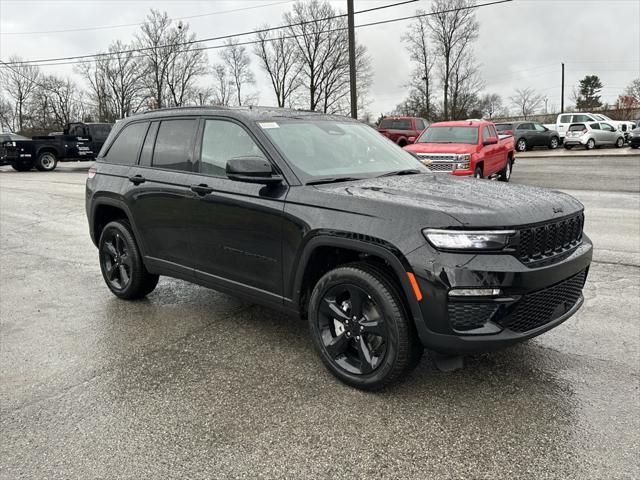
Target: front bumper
(491,323)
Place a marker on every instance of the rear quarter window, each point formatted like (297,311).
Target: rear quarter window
(126,146)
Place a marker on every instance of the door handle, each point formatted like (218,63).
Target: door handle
(137,179)
(201,189)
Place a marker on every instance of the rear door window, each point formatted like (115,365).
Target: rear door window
(582,118)
(173,144)
(595,126)
(538,127)
(126,147)
(525,126)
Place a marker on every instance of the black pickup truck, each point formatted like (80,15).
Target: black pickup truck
(79,141)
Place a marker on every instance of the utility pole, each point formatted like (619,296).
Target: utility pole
(352,60)
(562,92)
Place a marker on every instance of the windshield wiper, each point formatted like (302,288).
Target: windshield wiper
(332,180)
(406,171)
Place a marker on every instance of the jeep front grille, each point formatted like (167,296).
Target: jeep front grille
(543,242)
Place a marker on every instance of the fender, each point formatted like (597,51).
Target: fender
(115,202)
(360,243)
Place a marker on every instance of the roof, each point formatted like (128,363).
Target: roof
(252,113)
(461,123)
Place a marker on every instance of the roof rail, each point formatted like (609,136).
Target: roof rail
(192,107)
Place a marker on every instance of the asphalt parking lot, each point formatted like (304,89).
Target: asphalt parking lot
(191,383)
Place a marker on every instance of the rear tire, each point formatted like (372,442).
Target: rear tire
(121,263)
(505,174)
(553,144)
(46,162)
(360,327)
(591,144)
(21,166)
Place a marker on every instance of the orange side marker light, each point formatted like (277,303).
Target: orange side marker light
(414,285)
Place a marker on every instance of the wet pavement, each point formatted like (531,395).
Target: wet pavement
(191,383)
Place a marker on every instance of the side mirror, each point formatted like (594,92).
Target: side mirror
(490,141)
(411,139)
(252,170)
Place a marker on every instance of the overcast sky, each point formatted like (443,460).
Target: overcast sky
(521,44)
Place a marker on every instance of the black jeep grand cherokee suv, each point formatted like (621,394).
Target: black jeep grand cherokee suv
(322,216)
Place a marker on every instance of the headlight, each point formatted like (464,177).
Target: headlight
(463,161)
(467,240)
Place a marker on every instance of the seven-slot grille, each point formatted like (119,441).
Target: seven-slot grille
(539,308)
(547,241)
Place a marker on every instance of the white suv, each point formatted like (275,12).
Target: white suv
(592,135)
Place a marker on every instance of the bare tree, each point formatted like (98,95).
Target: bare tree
(311,24)
(187,63)
(453,28)
(421,83)
(490,105)
(464,87)
(526,100)
(633,89)
(7,117)
(62,94)
(93,73)
(322,41)
(158,39)
(279,59)
(19,82)
(223,89)
(238,65)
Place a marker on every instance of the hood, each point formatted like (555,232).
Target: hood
(441,148)
(469,201)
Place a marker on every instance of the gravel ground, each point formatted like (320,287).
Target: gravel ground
(191,383)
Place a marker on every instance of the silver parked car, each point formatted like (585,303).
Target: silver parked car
(592,134)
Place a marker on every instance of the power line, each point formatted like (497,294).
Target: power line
(44,87)
(94,57)
(209,39)
(107,27)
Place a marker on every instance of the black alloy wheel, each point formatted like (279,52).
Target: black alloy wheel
(116,260)
(352,329)
(121,263)
(360,327)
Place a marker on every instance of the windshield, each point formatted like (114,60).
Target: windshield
(318,149)
(449,135)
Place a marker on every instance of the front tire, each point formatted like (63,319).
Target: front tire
(478,172)
(46,162)
(20,166)
(121,263)
(521,145)
(360,327)
(620,142)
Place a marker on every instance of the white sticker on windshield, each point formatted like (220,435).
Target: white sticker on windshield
(267,125)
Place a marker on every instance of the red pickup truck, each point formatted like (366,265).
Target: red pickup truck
(402,130)
(468,147)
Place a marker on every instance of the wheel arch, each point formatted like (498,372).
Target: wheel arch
(346,248)
(48,149)
(107,209)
